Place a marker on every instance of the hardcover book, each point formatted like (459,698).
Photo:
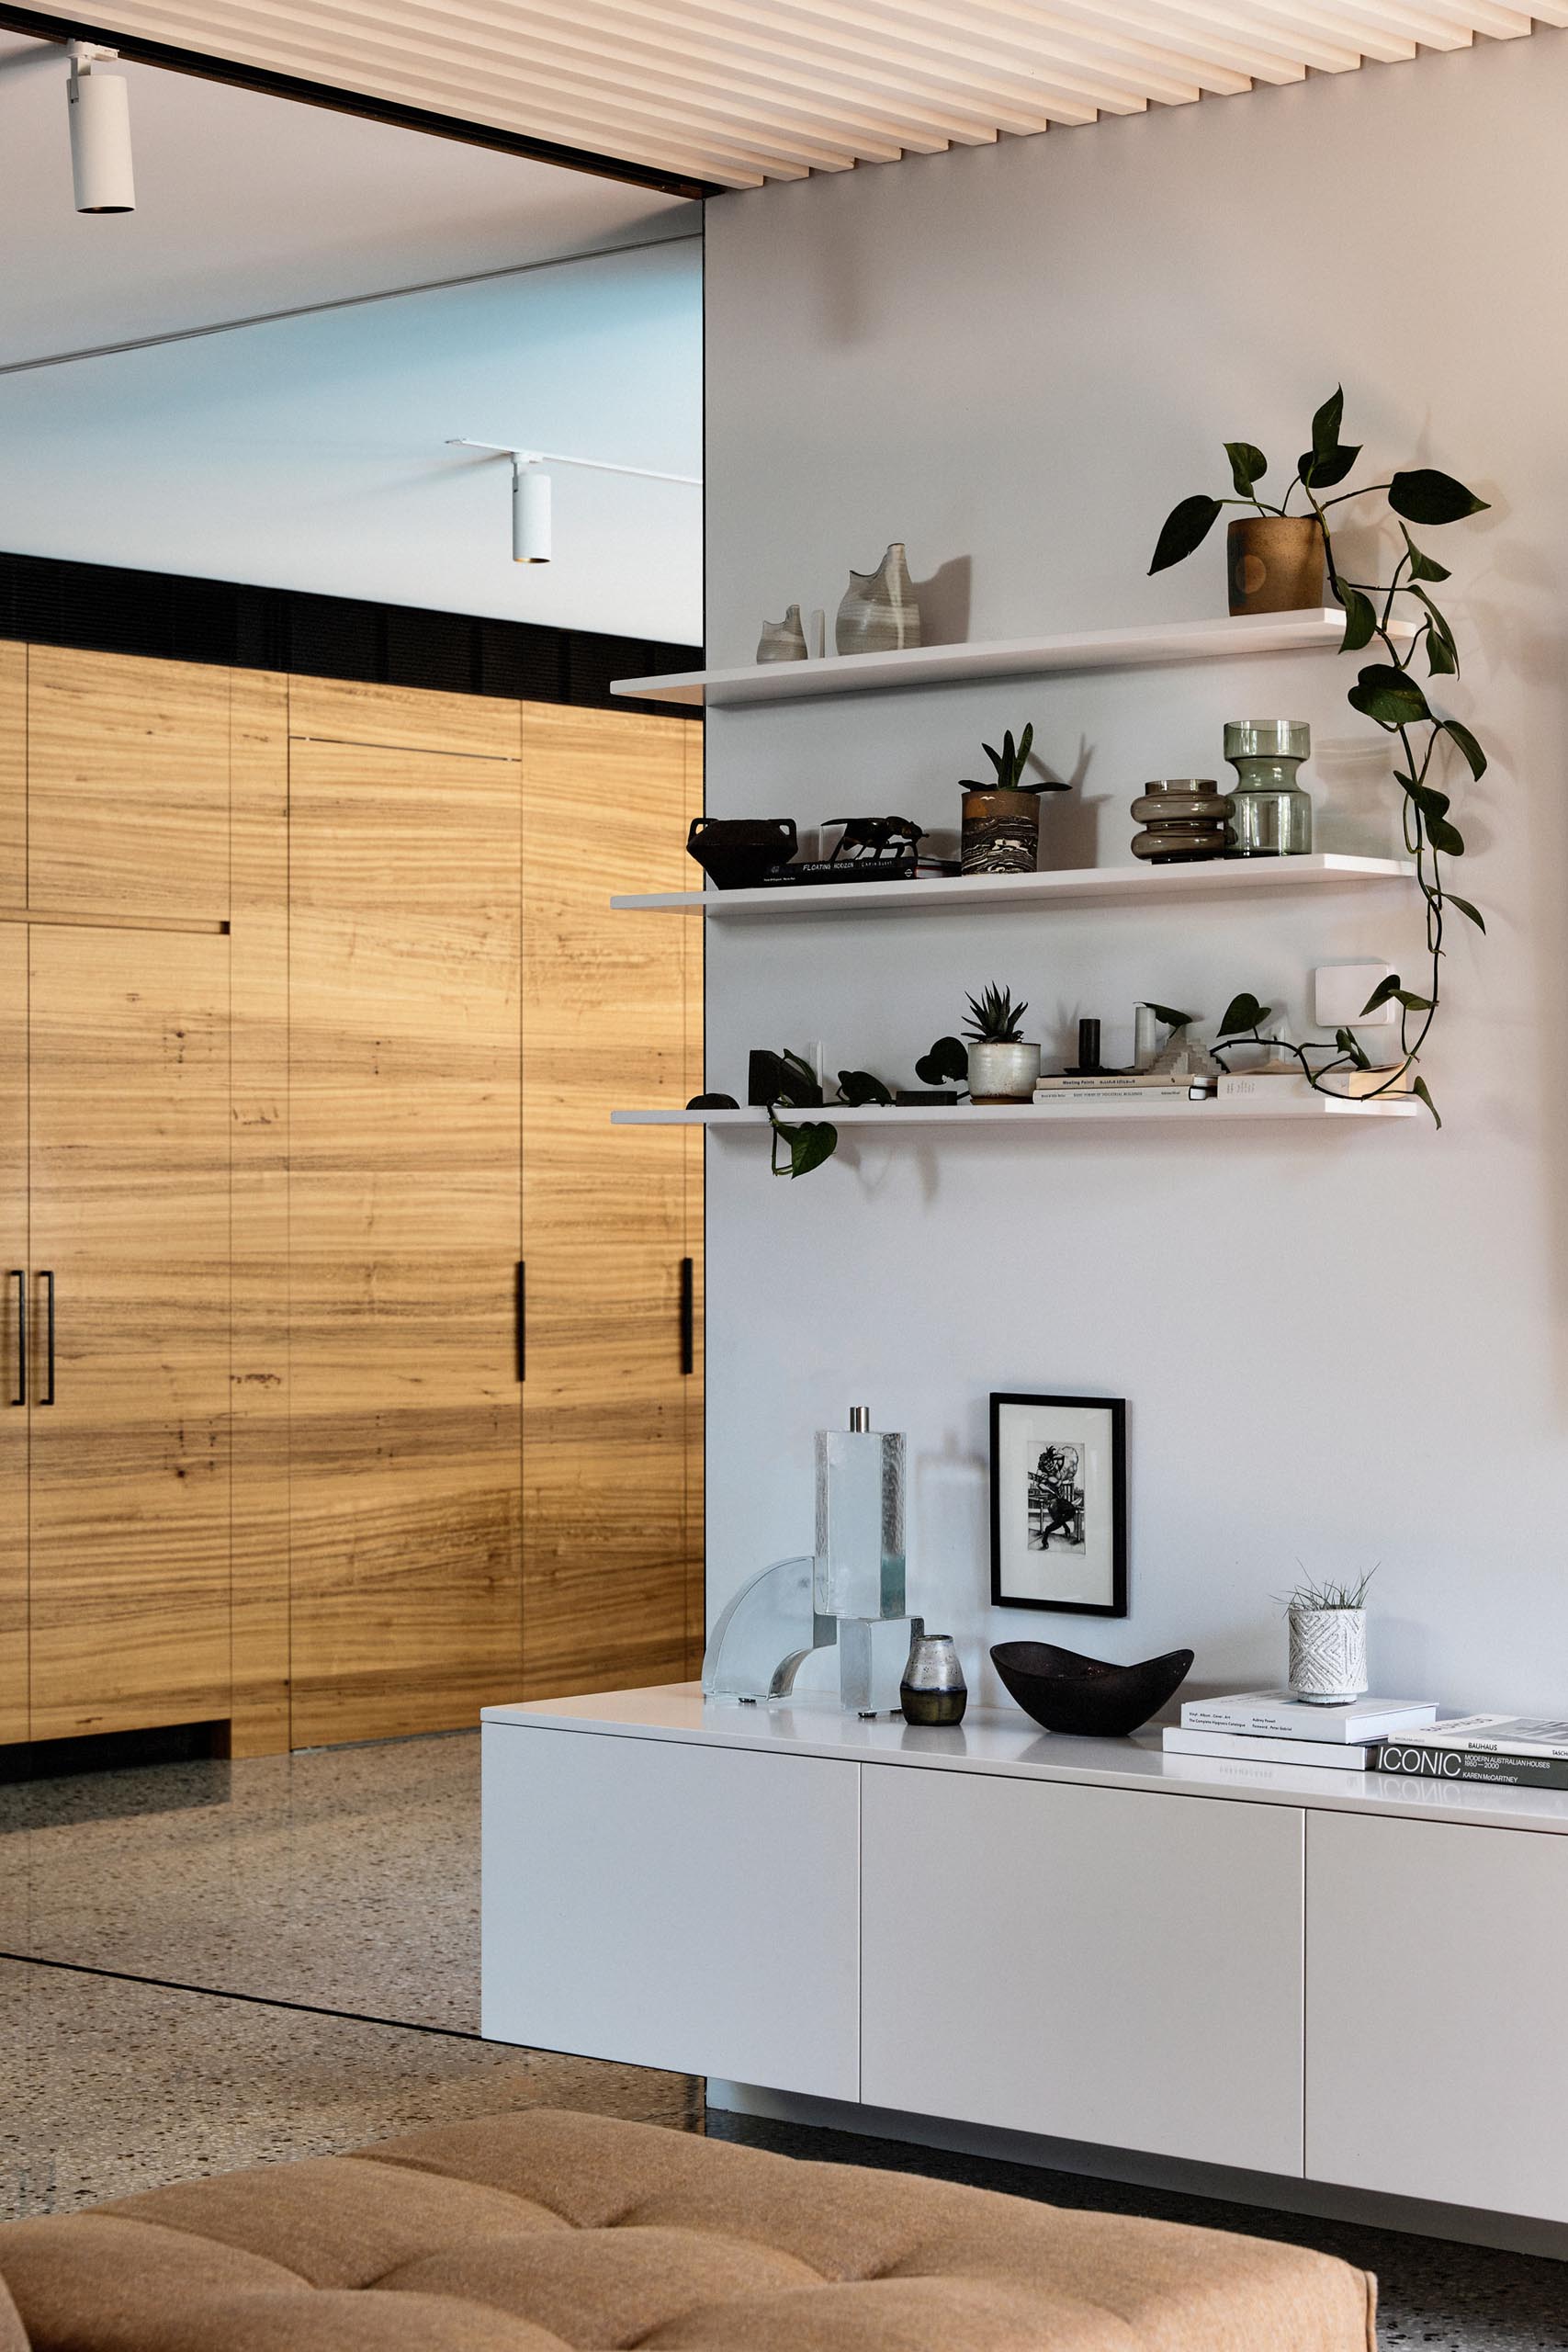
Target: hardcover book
(1501,1735)
(1418,1760)
(1275,1714)
(1342,1756)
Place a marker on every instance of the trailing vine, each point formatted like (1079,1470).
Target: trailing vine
(1386,690)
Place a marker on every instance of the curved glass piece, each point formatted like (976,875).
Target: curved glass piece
(757,1644)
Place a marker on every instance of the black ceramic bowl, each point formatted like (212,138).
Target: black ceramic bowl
(1086,1695)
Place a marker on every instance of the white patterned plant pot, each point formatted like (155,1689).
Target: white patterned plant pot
(1329,1656)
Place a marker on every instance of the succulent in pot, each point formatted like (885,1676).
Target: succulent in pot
(1002,1068)
(1001,819)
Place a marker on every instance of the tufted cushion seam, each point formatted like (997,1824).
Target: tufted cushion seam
(491,2188)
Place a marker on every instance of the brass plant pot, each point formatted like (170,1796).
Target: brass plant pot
(1275,564)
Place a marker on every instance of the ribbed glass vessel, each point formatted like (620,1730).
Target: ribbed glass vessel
(1271,813)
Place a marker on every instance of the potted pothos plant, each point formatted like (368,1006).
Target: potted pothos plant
(1387,691)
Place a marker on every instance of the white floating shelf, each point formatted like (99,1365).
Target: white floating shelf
(1115,1109)
(1162,646)
(1077,886)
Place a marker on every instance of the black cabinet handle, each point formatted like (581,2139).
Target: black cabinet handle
(688,1334)
(18,1276)
(49,1329)
(521,1312)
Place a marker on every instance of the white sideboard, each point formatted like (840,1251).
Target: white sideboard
(1329,1977)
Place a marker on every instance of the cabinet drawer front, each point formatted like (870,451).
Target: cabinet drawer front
(1090,1964)
(1436,2059)
(679,1906)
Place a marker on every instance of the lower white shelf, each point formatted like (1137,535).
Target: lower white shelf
(1103,1110)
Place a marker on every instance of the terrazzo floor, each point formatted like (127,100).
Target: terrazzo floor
(205,1965)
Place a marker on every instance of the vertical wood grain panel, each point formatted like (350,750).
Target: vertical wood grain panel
(259,961)
(604,1012)
(127,784)
(404,1217)
(128,1157)
(13,775)
(13,1255)
(695,1141)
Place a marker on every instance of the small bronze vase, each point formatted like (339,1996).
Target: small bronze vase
(1275,564)
(933,1690)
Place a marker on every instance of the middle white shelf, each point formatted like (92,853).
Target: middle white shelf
(1078,1110)
(1073,886)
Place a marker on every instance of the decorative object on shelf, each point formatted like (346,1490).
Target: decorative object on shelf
(933,1690)
(1271,813)
(713,1103)
(1087,1698)
(783,641)
(945,1066)
(1184,820)
(915,1097)
(1385,690)
(1328,1642)
(858,1087)
(1146,1035)
(1089,1064)
(860,1560)
(1002,1068)
(1001,820)
(1059,1504)
(765,1634)
(876,841)
(1274,564)
(787,1081)
(879,613)
(735,852)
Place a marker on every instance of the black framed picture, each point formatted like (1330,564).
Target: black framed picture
(1059,1504)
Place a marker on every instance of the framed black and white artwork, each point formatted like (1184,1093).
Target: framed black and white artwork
(1059,1504)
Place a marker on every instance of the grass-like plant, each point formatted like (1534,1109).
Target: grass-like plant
(993,1018)
(1315,1595)
(1385,690)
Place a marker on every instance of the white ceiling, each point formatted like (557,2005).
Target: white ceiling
(248,204)
(741,91)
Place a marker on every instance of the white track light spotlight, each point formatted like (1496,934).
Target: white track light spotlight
(530,510)
(99,109)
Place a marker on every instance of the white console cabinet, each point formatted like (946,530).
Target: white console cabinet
(1339,1978)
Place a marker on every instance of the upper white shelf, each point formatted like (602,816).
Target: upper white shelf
(1075,887)
(1066,1110)
(1167,643)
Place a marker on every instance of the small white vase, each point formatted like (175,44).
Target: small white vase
(1003,1073)
(1329,1656)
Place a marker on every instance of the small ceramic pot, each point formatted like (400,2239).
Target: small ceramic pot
(933,1690)
(1275,563)
(1003,1073)
(1329,1656)
(1002,829)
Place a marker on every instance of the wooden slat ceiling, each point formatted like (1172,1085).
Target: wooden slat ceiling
(736,91)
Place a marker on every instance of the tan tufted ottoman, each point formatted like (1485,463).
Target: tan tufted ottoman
(532,2232)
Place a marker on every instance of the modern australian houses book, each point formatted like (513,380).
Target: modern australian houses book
(1420,1762)
(1343,1756)
(1274,1714)
(1501,1736)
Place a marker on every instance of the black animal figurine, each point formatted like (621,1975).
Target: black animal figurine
(872,841)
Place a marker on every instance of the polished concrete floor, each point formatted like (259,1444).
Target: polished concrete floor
(204,1965)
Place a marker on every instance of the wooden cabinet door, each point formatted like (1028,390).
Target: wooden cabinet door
(1437,2064)
(13,775)
(128,786)
(605,1545)
(404,1229)
(129,1158)
(13,1378)
(1097,1964)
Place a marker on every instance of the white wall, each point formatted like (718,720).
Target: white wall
(1338,1348)
(308,453)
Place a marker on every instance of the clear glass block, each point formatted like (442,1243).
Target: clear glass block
(860,1523)
(769,1627)
(873,1654)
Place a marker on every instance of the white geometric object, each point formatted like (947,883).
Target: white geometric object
(1329,1655)
(1340,991)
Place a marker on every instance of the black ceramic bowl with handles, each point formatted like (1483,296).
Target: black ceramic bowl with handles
(1088,1695)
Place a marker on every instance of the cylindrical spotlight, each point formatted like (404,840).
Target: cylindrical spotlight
(530,512)
(100,138)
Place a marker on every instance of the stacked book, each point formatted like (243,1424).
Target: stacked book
(1272,1727)
(1518,1751)
(1144,1086)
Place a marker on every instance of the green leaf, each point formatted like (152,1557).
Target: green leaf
(1472,914)
(1360,619)
(1419,1088)
(1169,1015)
(1384,992)
(1326,424)
(1329,470)
(1025,745)
(1390,696)
(1412,1002)
(809,1145)
(1243,1012)
(1422,566)
(947,1064)
(1247,465)
(1348,1043)
(859,1086)
(1185,527)
(1467,745)
(1424,495)
(1441,661)
(1446,837)
(789,1080)
(1448,660)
